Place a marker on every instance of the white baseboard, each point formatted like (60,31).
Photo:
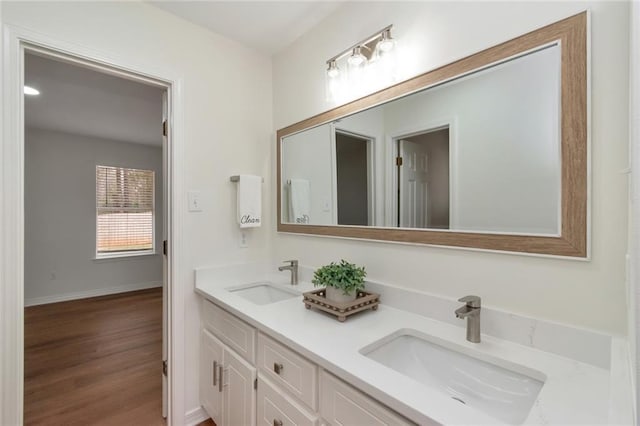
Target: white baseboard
(90,293)
(195,416)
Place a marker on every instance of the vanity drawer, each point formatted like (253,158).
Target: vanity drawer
(235,333)
(288,370)
(274,408)
(340,404)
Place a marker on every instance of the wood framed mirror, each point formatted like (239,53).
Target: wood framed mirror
(488,152)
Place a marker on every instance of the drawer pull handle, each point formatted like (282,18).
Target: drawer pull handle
(220,378)
(277,367)
(277,422)
(215,373)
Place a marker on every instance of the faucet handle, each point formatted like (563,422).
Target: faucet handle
(471,301)
(292,262)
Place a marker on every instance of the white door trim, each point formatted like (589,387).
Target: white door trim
(15,41)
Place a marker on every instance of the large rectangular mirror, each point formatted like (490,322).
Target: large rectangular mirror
(487,152)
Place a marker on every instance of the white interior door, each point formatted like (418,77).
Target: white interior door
(413,185)
(165,257)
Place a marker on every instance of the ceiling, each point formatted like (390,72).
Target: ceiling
(266,26)
(74,99)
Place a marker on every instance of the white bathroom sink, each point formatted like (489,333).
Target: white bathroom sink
(499,388)
(263,293)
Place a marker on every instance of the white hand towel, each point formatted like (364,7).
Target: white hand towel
(249,201)
(299,201)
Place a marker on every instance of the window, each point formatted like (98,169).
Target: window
(124,211)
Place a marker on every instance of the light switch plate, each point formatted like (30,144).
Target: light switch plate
(195,204)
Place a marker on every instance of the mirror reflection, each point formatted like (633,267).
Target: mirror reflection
(477,153)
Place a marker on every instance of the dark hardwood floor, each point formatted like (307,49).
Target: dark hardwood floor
(95,361)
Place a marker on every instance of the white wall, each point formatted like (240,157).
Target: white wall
(60,218)
(583,293)
(227,126)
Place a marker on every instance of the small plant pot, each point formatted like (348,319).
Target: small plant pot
(337,295)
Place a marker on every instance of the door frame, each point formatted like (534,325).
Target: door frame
(17,41)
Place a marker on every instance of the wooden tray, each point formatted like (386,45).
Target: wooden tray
(364,300)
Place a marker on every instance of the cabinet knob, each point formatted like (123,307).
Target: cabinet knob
(277,367)
(277,422)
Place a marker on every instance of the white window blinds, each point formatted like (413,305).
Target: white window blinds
(124,205)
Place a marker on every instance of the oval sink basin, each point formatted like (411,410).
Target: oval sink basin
(263,293)
(501,389)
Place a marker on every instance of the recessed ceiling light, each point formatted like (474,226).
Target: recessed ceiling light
(31,91)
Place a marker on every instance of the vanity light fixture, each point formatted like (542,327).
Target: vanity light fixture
(362,57)
(28,90)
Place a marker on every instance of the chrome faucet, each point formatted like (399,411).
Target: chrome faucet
(293,267)
(471,311)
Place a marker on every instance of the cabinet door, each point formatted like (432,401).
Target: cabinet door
(239,396)
(211,359)
(340,404)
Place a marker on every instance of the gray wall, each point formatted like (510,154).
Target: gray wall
(60,218)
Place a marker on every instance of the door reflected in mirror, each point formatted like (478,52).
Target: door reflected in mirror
(422,170)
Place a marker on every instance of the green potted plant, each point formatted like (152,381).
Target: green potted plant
(342,280)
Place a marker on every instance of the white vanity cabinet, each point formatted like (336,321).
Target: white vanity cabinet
(291,390)
(227,379)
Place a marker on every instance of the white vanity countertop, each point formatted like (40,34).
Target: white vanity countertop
(573,393)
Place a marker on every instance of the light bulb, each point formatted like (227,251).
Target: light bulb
(333,81)
(31,91)
(333,71)
(357,59)
(386,43)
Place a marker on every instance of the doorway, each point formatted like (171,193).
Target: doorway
(96,185)
(423,179)
(353,179)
